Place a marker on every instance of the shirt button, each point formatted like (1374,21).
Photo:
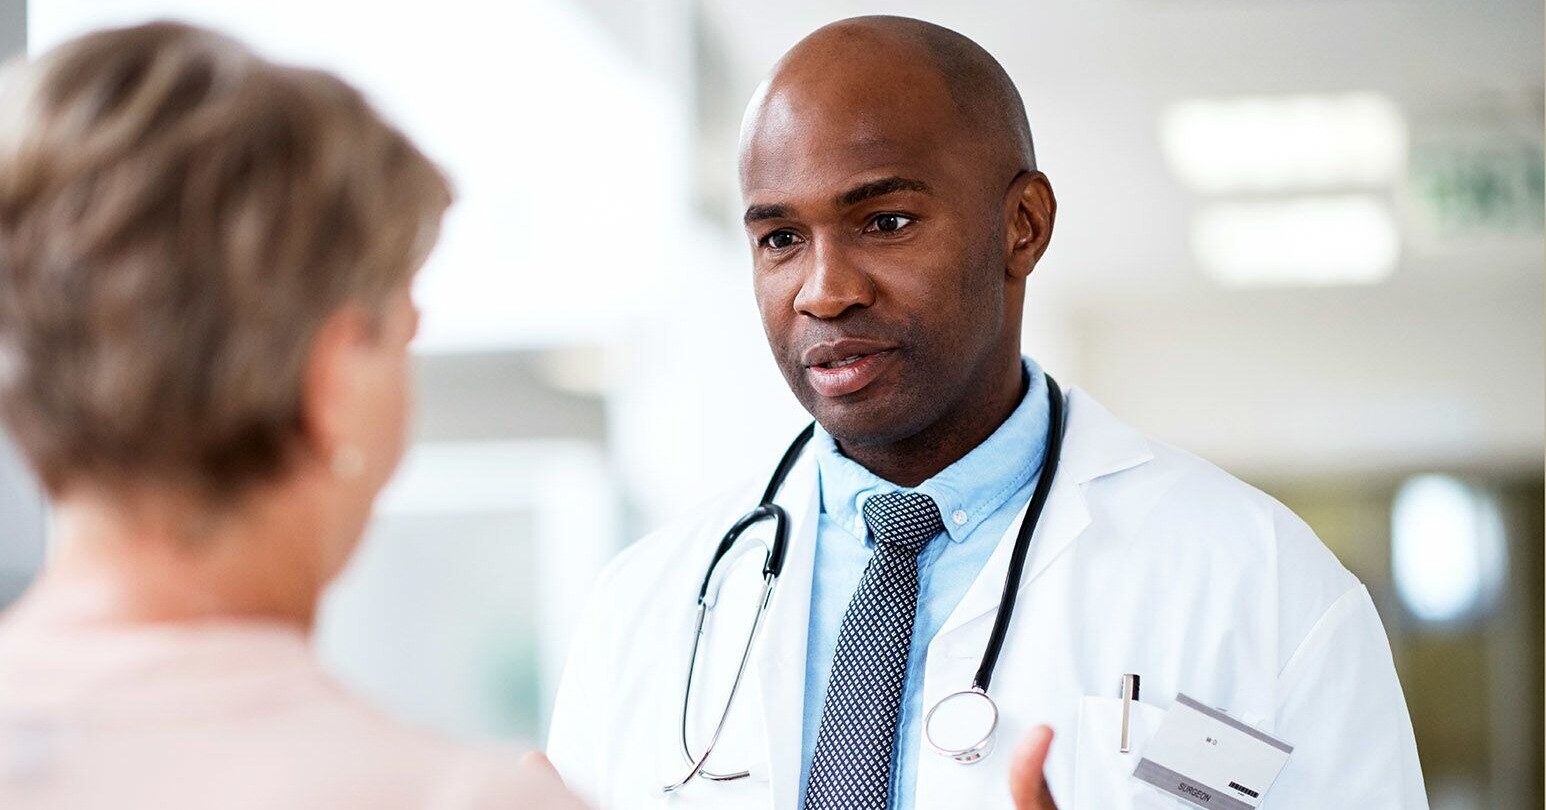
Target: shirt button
(958,516)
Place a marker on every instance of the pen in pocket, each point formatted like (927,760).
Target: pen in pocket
(1129,694)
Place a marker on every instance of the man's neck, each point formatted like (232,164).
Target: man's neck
(917,458)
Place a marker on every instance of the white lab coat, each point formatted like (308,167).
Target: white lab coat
(1148,560)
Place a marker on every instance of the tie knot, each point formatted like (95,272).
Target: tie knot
(902,521)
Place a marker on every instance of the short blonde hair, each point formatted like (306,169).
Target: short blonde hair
(178,217)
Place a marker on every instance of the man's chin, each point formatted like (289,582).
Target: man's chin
(865,422)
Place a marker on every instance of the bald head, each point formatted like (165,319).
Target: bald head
(894,212)
(866,52)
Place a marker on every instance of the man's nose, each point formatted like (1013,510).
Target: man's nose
(833,284)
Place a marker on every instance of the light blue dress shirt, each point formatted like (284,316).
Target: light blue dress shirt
(978,497)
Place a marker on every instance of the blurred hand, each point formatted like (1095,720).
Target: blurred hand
(1027,782)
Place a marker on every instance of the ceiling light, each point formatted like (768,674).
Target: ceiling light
(1446,548)
(1288,143)
(1300,241)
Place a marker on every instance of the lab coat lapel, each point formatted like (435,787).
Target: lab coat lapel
(780,669)
(1063,518)
(1095,443)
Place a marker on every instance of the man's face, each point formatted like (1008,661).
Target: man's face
(877,238)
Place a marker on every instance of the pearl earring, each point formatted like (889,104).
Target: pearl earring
(348,462)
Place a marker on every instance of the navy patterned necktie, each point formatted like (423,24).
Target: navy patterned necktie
(851,769)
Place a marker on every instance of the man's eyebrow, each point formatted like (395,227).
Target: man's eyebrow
(758,213)
(853,196)
(880,188)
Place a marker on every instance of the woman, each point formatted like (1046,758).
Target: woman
(205,262)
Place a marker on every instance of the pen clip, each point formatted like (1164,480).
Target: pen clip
(1129,694)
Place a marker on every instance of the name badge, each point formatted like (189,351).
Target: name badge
(1209,759)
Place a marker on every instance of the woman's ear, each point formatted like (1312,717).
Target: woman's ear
(1030,209)
(330,386)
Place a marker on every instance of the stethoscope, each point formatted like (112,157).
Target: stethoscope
(960,725)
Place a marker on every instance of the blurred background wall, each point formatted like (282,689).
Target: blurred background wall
(1300,238)
(21,505)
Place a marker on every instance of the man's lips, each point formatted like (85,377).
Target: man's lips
(843,367)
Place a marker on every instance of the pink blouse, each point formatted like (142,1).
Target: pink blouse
(227,715)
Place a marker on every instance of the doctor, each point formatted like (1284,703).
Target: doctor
(894,212)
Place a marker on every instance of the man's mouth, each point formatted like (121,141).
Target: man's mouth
(846,361)
(846,366)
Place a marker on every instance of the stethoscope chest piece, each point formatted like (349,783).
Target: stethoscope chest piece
(961,725)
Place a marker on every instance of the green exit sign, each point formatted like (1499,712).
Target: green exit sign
(1496,188)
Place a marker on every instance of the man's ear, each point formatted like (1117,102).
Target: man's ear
(1029,209)
(328,383)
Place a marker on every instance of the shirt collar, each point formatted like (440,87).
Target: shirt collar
(968,491)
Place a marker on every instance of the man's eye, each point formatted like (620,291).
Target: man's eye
(779,240)
(889,223)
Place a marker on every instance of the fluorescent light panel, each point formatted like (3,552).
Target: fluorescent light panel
(1298,241)
(1288,143)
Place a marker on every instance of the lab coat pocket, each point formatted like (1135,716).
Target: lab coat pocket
(1103,775)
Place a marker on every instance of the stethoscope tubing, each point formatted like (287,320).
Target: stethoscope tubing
(773,567)
(1022,547)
